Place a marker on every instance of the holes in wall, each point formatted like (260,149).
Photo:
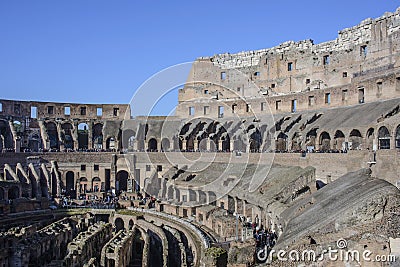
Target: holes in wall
(290,66)
(263,106)
(361,95)
(223,75)
(257,73)
(308,81)
(278,104)
(1,107)
(327,60)
(234,107)
(67,111)
(83,110)
(327,98)
(116,112)
(50,110)
(206,92)
(191,111)
(248,107)
(344,74)
(294,105)
(363,50)
(99,112)
(272,85)
(344,95)
(33,112)
(220,112)
(311,100)
(379,88)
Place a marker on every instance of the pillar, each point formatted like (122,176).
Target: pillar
(59,129)
(184,142)
(196,144)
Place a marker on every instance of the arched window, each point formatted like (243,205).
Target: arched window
(324,141)
(165,145)
(383,138)
(339,140)
(121,181)
(370,136)
(152,145)
(67,136)
(83,136)
(397,140)
(355,139)
(281,140)
(98,136)
(53,135)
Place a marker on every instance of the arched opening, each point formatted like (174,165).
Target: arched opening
(70,184)
(96,184)
(226,143)
(98,136)
(370,137)
(165,145)
(121,182)
(19,129)
(34,142)
(202,144)
(239,145)
(6,139)
(67,136)
(13,192)
(281,142)
(311,136)
(110,143)
(190,143)
(83,136)
(83,185)
(355,139)
(397,137)
(131,224)
(138,247)
(339,141)
(52,133)
(296,142)
(128,139)
(119,224)
(152,145)
(383,138)
(53,184)
(324,142)
(255,141)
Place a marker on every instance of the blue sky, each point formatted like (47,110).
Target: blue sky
(96,51)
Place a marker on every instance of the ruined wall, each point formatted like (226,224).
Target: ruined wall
(361,57)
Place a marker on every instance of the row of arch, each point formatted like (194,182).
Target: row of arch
(10,193)
(83,185)
(80,138)
(325,141)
